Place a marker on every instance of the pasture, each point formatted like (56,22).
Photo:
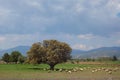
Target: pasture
(65,71)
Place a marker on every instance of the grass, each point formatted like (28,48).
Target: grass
(36,72)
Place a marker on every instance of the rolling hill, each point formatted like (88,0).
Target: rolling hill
(75,53)
(101,52)
(22,49)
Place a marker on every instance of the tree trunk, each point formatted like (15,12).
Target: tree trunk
(52,66)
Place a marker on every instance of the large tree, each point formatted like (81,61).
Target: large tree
(50,52)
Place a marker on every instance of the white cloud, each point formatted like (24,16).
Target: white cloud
(97,41)
(79,8)
(113,7)
(58,8)
(12,40)
(116,39)
(8,18)
(86,36)
(2,39)
(4,12)
(81,47)
(42,21)
(35,4)
(118,42)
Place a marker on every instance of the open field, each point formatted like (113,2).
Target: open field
(82,71)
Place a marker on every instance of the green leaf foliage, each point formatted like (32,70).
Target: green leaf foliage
(6,57)
(14,56)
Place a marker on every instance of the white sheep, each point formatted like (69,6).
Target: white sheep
(70,72)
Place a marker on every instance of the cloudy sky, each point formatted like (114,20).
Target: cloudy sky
(83,24)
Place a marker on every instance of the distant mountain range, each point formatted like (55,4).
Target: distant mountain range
(21,49)
(99,52)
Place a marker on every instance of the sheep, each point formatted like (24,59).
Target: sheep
(103,69)
(81,69)
(60,70)
(96,70)
(70,72)
(74,70)
(99,69)
(110,72)
(106,70)
(93,71)
(66,70)
(115,69)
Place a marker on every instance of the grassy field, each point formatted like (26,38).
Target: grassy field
(81,71)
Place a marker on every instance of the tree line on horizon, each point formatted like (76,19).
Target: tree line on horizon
(13,57)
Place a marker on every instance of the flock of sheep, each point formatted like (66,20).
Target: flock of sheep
(92,70)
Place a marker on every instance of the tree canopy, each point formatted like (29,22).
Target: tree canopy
(14,56)
(50,52)
(6,57)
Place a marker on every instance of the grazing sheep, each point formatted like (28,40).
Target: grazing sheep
(99,69)
(81,69)
(70,72)
(103,69)
(106,70)
(60,70)
(110,72)
(115,69)
(96,70)
(74,70)
(93,71)
(66,70)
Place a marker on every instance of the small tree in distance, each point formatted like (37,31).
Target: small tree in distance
(114,58)
(6,58)
(51,52)
(14,56)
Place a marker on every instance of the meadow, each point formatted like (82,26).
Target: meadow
(64,71)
